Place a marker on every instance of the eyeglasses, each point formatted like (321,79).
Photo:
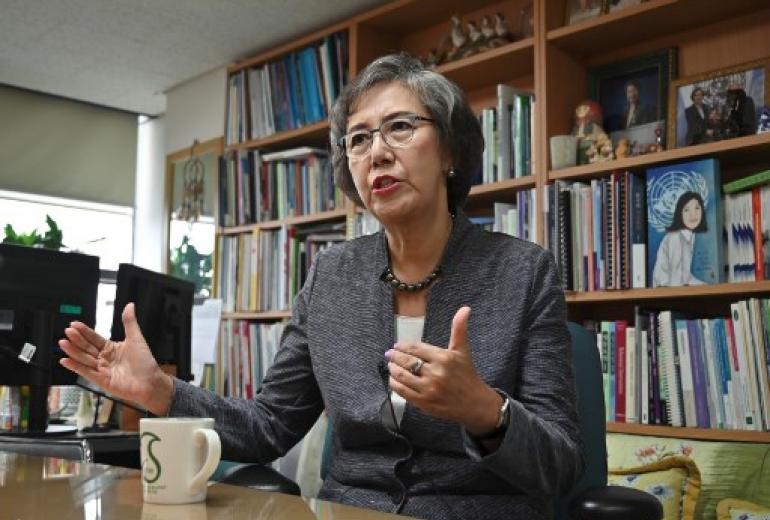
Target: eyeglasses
(397,133)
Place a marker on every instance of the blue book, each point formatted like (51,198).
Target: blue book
(699,380)
(684,230)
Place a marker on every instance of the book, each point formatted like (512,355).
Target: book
(746,183)
(684,232)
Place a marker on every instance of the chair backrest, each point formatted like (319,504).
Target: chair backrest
(591,414)
(590,409)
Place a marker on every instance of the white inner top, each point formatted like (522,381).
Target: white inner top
(408,328)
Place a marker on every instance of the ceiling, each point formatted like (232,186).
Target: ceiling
(126,53)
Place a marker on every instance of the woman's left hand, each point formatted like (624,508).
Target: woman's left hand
(443,382)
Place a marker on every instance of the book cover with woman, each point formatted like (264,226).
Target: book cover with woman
(683,231)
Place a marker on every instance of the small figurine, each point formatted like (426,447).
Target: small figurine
(764,120)
(490,34)
(476,42)
(623,149)
(501,28)
(432,59)
(588,115)
(591,136)
(458,39)
(600,149)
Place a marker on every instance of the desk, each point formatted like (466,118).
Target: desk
(43,487)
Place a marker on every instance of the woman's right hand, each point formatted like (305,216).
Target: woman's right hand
(125,369)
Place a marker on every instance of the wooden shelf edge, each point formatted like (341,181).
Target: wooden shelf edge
(736,289)
(256,315)
(509,48)
(700,434)
(739,144)
(280,137)
(508,184)
(291,221)
(597,21)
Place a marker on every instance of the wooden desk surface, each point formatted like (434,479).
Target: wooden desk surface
(43,487)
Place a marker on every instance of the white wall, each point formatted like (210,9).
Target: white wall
(196,110)
(149,228)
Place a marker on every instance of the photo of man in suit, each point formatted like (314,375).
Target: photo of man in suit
(696,116)
(636,112)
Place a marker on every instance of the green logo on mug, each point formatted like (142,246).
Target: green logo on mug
(150,468)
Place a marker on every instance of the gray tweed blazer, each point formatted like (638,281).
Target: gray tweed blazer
(331,356)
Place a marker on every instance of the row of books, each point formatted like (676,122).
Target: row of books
(255,187)
(747,227)
(507,130)
(662,228)
(14,408)
(291,92)
(673,369)
(245,351)
(265,269)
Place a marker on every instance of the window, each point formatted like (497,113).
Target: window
(101,230)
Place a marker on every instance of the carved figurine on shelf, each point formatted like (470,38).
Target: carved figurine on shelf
(657,146)
(457,38)
(623,149)
(599,149)
(476,42)
(433,58)
(501,28)
(490,34)
(764,120)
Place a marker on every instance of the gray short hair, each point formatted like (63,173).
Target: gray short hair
(458,128)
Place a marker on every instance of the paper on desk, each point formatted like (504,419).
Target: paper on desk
(205,329)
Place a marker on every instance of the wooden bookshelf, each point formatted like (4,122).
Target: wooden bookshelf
(298,220)
(311,135)
(256,315)
(699,434)
(733,153)
(722,290)
(554,64)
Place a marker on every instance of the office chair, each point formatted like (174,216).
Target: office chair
(590,499)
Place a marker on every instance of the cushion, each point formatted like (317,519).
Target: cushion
(734,509)
(674,480)
(728,469)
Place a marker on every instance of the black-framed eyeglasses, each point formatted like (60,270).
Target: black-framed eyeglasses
(397,133)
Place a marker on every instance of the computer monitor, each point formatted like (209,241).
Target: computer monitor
(41,292)
(163,306)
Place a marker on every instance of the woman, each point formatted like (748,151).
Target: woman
(674,258)
(439,351)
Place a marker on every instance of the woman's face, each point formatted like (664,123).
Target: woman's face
(697,97)
(692,213)
(398,183)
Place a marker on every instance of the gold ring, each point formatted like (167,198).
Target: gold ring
(416,367)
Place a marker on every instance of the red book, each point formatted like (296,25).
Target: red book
(620,371)
(756,211)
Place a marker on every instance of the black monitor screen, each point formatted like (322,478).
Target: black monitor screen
(34,280)
(163,306)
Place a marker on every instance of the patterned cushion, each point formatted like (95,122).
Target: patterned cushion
(728,469)
(674,480)
(734,509)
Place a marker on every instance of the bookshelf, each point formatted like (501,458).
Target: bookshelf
(554,63)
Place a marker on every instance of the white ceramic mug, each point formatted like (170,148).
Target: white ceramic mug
(178,456)
(563,151)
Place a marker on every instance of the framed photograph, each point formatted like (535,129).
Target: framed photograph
(634,93)
(717,105)
(617,5)
(579,10)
